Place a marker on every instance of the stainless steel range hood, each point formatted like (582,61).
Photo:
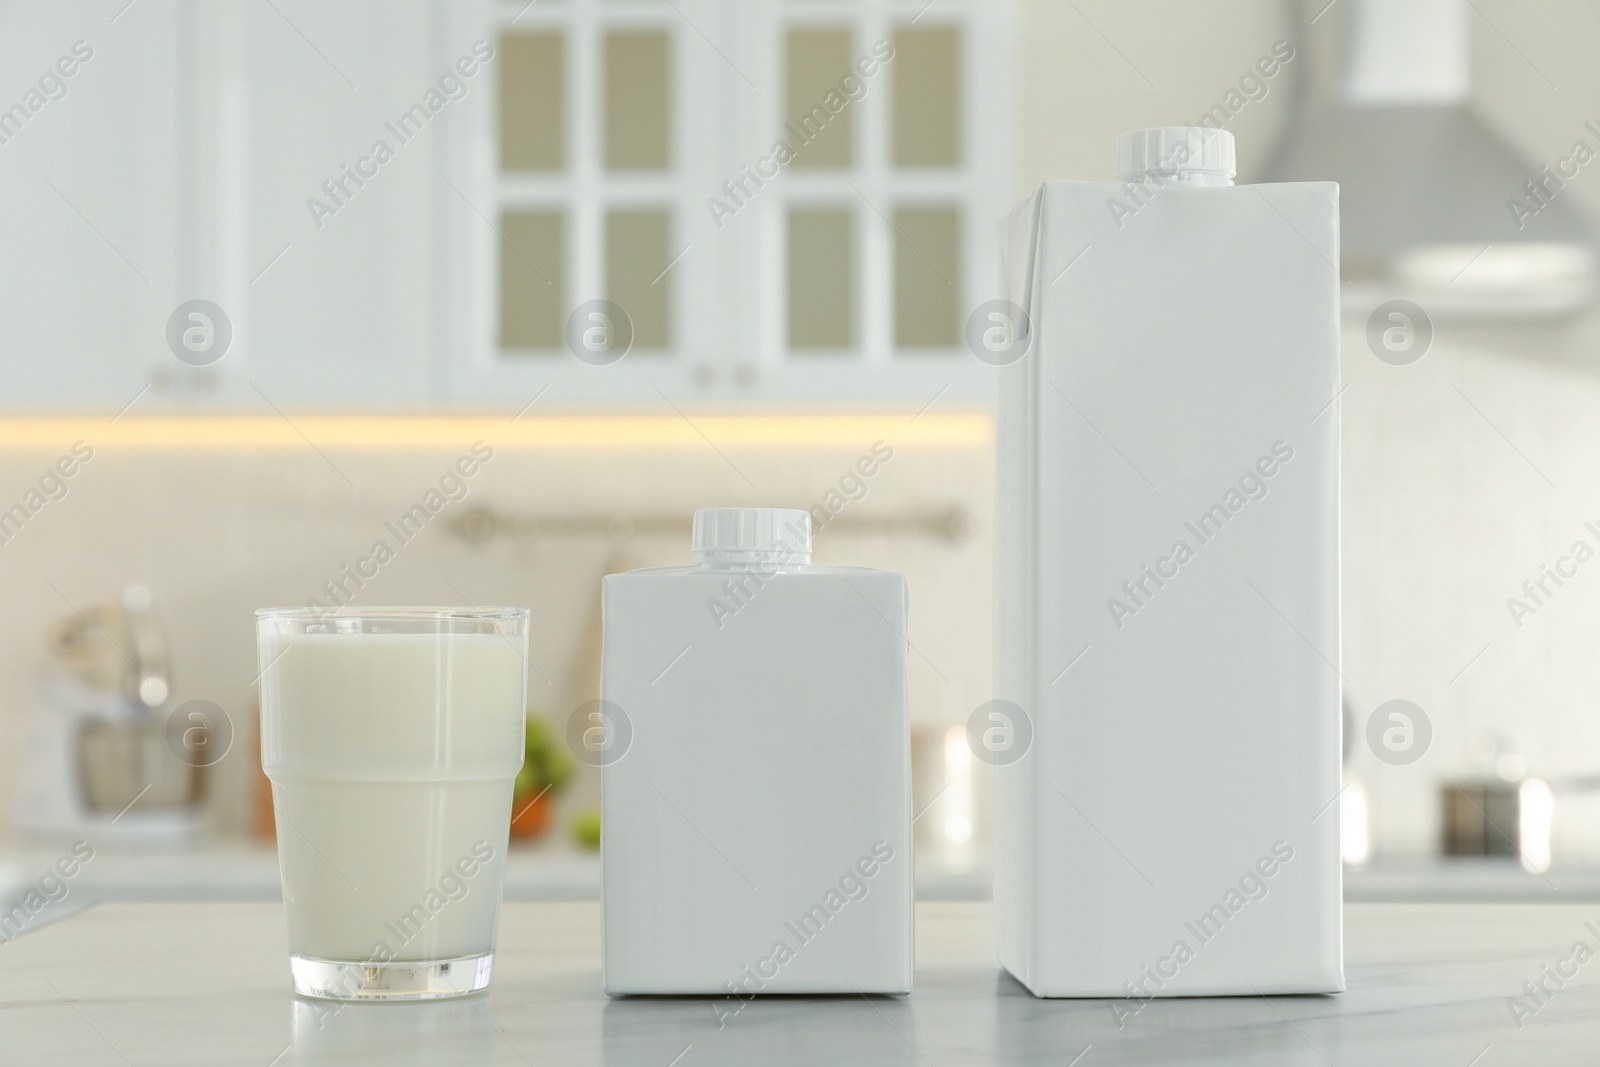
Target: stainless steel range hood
(1435,206)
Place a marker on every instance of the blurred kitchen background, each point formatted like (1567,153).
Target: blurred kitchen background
(384,310)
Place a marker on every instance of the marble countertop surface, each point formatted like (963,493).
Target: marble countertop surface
(235,870)
(552,870)
(172,984)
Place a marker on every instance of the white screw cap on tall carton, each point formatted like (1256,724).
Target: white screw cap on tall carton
(752,535)
(1198,155)
(1199,731)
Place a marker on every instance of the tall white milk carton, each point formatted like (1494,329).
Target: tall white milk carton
(756,780)
(1167,635)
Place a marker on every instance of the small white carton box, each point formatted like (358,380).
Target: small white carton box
(757,824)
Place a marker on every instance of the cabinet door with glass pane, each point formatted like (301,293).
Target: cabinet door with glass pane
(876,237)
(709,200)
(573,185)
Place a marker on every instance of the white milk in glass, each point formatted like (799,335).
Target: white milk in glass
(392,757)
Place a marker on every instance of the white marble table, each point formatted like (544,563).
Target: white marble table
(175,984)
(233,870)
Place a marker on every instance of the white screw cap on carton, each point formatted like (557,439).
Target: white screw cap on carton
(1196,154)
(752,535)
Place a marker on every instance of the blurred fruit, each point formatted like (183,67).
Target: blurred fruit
(533,817)
(586,828)
(546,766)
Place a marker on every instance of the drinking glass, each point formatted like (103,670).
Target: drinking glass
(392,737)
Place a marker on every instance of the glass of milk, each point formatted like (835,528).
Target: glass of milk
(392,737)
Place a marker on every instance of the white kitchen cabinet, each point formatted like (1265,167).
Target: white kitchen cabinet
(324,187)
(231,152)
(178,166)
(538,206)
(736,81)
(90,198)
